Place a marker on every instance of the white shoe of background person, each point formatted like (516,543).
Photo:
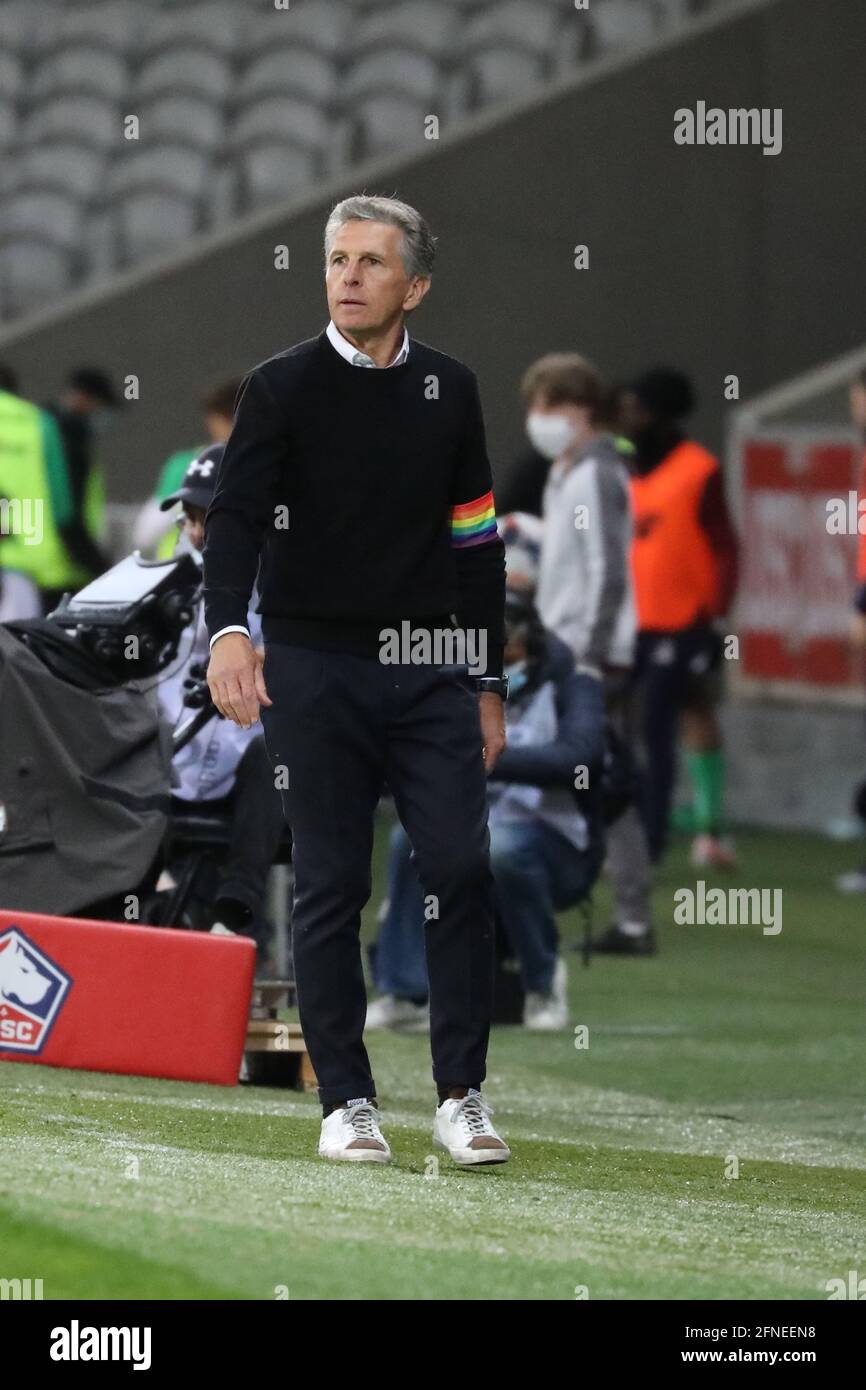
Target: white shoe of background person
(390,1012)
(353,1134)
(463,1128)
(548,1013)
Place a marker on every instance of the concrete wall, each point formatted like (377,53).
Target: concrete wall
(718,258)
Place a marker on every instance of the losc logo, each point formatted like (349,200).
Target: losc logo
(32,991)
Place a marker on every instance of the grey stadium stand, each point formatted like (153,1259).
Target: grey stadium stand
(241,105)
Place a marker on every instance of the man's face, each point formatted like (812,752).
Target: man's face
(192,525)
(79,402)
(633,417)
(219,427)
(367,285)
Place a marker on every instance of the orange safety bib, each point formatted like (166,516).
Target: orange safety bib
(675,572)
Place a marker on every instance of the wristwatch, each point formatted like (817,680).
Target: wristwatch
(491,685)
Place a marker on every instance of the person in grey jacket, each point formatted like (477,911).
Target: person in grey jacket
(584,591)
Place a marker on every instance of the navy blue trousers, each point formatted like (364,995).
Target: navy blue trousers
(341,727)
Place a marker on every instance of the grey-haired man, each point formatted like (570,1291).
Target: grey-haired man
(366,496)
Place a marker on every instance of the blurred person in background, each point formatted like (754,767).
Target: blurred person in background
(9,379)
(522,489)
(684,560)
(224,766)
(41,550)
(855,881)
(86,409)
(153,530)
(546,837)
(19,596)
(584,590)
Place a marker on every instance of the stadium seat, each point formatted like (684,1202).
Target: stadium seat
(185,72)
(99,243)
(152,222)
(50,216)
(407,26)
(272,172)
(32,273)
(318,28)
(222,196)
(158,196)
(113,25)
(20,24)
(289,72)
(180,119)
(212,25)
(387,98)
(410,74)
(8,123)
(396,74)
(88,70)
(509,48)
(11,76)
(621,24)
(280,142)
(94,121)
(72,169)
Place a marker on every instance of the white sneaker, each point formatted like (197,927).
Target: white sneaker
(390,1012)
(353,1133)
(463,1128)
(548,1013)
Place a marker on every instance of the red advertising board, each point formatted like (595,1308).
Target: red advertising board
(105,996)
(798,575)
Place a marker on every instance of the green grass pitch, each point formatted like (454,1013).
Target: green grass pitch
(730,1050)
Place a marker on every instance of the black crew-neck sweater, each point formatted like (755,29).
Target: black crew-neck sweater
(366,495)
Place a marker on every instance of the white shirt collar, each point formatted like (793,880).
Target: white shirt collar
(350,353)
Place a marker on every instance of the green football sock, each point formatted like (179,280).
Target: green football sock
(707,772)
(683,819)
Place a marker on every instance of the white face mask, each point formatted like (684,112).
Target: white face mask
(551,435)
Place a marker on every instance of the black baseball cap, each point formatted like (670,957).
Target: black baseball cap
(199,480)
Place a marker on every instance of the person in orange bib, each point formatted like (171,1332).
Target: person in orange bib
(684,564)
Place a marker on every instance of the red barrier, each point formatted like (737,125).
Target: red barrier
(102,996)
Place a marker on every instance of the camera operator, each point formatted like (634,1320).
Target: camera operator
(224,766)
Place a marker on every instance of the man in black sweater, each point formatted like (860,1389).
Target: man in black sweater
(357,477)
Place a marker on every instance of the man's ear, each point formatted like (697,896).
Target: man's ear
(416,292)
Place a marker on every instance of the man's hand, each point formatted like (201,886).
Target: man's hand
(236,680)
(492,713)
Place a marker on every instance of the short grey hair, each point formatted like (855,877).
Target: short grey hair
(419,243)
